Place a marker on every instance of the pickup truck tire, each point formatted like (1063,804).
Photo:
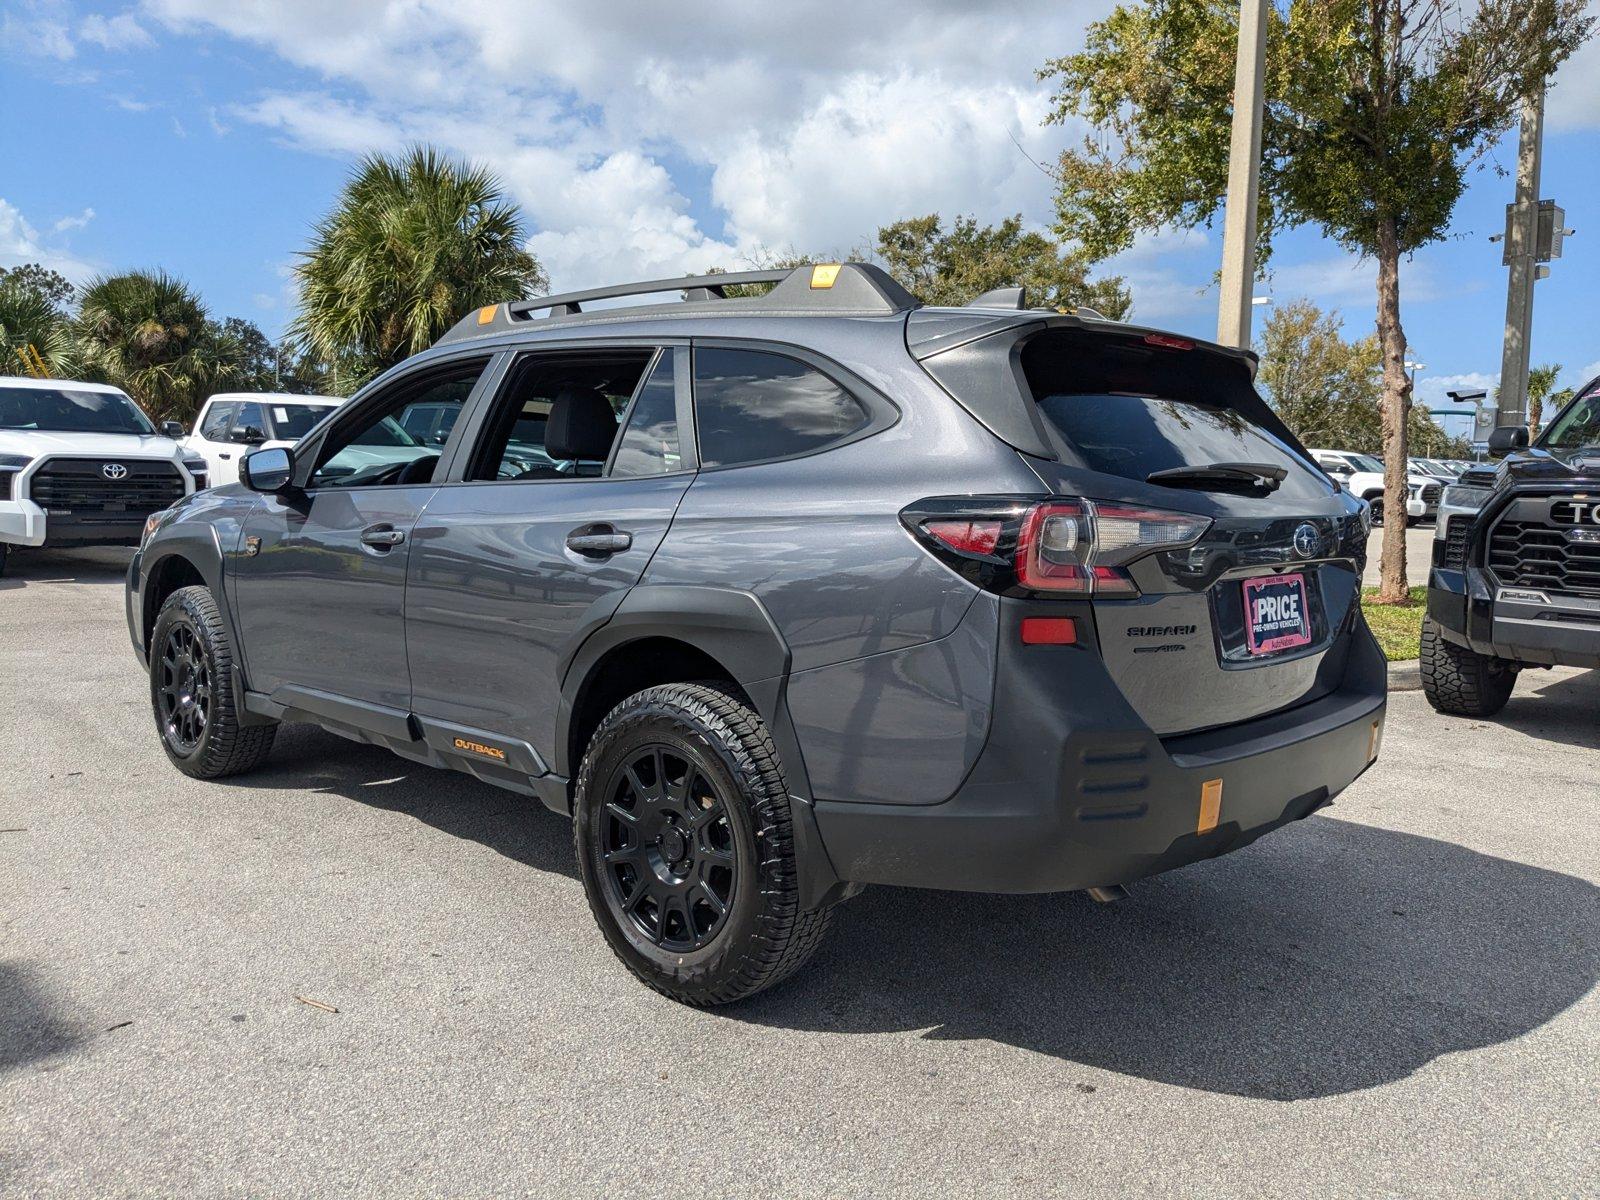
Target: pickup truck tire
(1460,681)
(192,670)
(5,553)
(685,845)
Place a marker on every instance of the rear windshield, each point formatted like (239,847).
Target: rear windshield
(68,410)
(1131,410)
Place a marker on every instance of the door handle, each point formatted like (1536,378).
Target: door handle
(598,541)
(382,537)
(224,456)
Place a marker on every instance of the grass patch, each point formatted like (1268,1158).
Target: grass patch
(1398,627)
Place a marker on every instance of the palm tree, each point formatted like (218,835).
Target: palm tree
(34,334)
(148,333)
(414,242)
(1541,382)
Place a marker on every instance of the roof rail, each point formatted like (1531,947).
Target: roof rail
(853,289)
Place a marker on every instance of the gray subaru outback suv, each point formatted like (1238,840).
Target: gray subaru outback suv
(777,596)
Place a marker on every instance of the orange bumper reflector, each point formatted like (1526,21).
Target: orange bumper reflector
(486,314)
(1210,805)
(1374,740)
(1049,631)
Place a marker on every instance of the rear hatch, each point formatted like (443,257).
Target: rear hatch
(1222,567)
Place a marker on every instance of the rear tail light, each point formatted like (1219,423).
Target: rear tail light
(1068,547)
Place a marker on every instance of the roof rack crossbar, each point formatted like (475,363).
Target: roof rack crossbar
(709,286)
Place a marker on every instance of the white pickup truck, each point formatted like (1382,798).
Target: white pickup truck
(1362,475)
(231,424)
(81,465)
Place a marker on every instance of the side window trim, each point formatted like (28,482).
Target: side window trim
(882,412)
(683,408)
(377,393)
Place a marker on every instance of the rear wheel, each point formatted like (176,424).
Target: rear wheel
(192,688)
(685,843)
(1460,681)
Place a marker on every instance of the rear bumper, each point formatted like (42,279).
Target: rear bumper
(1562,630)
(1072,791)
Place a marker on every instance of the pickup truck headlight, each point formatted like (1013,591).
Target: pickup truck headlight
(1465,496)
(10,465)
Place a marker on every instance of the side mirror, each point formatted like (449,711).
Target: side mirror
(248,435)
(270,471)
(1507,439)
(173,429)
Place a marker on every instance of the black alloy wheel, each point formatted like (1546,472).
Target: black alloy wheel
(184,687)
(668,850)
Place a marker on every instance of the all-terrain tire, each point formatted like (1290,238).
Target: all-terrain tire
(1460,681)
(223,745)
(764,935)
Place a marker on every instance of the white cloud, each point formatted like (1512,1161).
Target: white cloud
(38,30)
(586,111)
(20,243)
(78,222)
(121,32)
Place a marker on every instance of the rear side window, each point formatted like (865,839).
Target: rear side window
(752,405)
(1128,409)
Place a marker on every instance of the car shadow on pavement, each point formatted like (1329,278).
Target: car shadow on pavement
(1564,708)
(31,1026)
(519,827)
(1326,958)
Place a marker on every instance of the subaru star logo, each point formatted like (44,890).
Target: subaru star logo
(1307,540)
(114,471)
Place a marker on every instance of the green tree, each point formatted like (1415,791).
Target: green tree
(1375,111)
(413,244)
(148,333)
(54,287)
(34,334)
(1324,387)
(1541,385)
(940,266)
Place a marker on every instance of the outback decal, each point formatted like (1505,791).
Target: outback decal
(479,748)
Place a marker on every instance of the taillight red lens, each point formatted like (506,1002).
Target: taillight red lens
(1052,546)
(966,537)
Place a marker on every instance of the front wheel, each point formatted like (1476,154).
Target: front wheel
(192,689)
(1376,503)
(1460,681)
(686,847)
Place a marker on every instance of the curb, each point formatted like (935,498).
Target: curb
(1405,676)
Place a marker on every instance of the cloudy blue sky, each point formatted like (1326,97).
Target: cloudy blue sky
(645,139)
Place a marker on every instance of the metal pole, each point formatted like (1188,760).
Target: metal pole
(1522,234)
(1244,178)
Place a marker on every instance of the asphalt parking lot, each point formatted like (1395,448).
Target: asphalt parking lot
(1396,996)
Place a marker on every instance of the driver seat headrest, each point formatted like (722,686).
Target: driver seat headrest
(582,425)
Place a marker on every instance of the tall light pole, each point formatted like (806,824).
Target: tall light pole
(1244,178)
(1522,236)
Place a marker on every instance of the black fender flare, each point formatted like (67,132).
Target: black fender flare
(734,628)
(200,545)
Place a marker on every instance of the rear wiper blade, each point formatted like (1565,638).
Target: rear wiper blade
(1263,476)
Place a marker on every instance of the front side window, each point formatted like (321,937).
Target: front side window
(249,423)
(752,405)
(557,415)
(70,410)
(375,449)
(216,422)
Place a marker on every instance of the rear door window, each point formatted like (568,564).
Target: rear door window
(754,405)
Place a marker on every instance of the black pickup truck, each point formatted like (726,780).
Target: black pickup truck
(1516,564)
